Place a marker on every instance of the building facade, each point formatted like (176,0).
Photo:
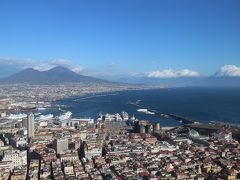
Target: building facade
(30,125)
(18,158)
(60,145)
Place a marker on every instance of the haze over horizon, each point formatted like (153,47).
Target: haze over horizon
(122,39)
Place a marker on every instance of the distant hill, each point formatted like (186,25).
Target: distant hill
(62,75)
(56,75)
(186,81)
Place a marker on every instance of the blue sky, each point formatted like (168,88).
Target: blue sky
(117,38)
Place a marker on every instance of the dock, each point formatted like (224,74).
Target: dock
(179,118)
(205,128)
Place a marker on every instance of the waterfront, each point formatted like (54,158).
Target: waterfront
(66,145)
(198,104)
(72,148)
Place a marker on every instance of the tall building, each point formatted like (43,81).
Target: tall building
(156,127)
(30,125)
(142,129)
(149,128)
(60,145)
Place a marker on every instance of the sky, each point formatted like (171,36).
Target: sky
(121,38)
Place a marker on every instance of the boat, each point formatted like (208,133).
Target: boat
(149,112)
(44,117)
(146,111)
(37,114)
(65,116)
(142,110)
(41,109)
(17,116)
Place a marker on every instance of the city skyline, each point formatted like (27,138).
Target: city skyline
(161,39)
(127,89)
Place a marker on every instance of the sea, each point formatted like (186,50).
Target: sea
(200,104)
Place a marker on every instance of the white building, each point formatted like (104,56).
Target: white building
(70,157)
(18,158)
(30,125)
(60,145)
(43,124)
(92,150)
(75,122)
(1,143)
(3,114)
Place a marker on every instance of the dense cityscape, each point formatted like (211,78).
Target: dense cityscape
(111,146)
(30,93)
(120,90)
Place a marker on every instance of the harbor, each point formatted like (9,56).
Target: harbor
(205,128)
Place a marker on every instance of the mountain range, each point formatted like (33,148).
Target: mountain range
(56,75)
(62,75)
(186,81)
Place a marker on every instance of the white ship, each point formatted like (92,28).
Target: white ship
(142,110)
(149,112)
(44,117)
(37,114)
(17,116)
(145,111)
(65,116)
(41,109)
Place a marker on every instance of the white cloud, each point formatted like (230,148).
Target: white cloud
(169,73)
(188,73)
(40,65)
(229,71)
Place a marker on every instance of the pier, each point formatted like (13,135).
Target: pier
(205,128)
(179,118)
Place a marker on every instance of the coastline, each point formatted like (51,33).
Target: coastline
(187,102)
